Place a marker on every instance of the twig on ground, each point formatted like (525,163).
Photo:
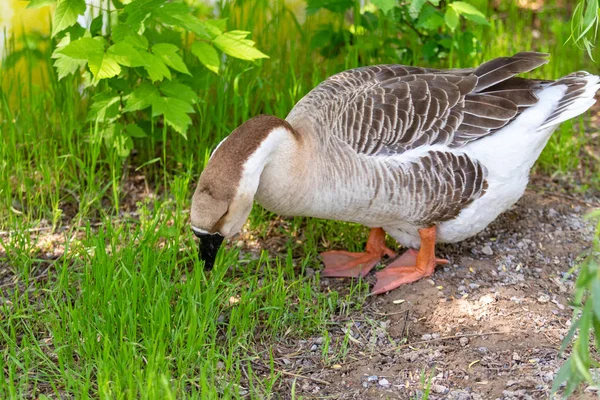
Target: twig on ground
(283,372)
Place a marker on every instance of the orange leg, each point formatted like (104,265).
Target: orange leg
(352,265)
(411,266)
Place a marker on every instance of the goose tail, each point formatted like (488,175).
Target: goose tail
(581,87)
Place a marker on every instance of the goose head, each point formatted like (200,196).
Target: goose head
(225,192)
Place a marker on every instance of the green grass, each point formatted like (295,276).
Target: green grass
(127,311)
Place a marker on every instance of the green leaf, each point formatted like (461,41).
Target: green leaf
(179,91)
(135,131)
(83,48)
(157,70)
(136,40)
(65,65)
(469,12)
(118,5)
(120,31)
(200,28)
(239,48)
(451,18)
(385,5)
(220,24)
(141,98)
(175,112)
(125,54)
(564,374)
(115,138)
(430,18)
(40,3)
(168,54)
(66,14)
(96,25)
(102,65)
(415,8)
(104,107)
(435,2)
(207,55)
(105,66)
(137,11)
(238,35)
(337,6)
(595,289)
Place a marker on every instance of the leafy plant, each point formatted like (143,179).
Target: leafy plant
(584,24)
(586,319)
(139,64)
(384,26)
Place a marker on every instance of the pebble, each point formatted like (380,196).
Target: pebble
(464,341)
(439,389)
(384,382)
(459,394)
(372,378)
(430,336)
(487,250)
(544,298)
(314,347)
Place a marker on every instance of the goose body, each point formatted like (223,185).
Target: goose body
(426,155)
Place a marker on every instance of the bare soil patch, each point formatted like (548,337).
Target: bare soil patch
(488,326)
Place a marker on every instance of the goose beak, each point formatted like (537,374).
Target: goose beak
(209,246)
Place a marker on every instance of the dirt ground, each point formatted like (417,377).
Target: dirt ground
(487,326)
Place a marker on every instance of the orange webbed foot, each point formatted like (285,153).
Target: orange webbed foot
(411,266)
(354,265)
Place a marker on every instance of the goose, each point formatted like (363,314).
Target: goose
(424,155)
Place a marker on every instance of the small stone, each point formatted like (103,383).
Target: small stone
(372,378)
(459,394)
(464,341)
(336,366)
(431,282)
(516,356)
(384,382)
(365,384)
(426,336)
(314,347)
(439,389)
(435,335)
(544,298)
(319,340)
(286,361)
(487,250)
(473,285)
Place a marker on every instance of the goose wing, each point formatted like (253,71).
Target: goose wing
(389,109)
